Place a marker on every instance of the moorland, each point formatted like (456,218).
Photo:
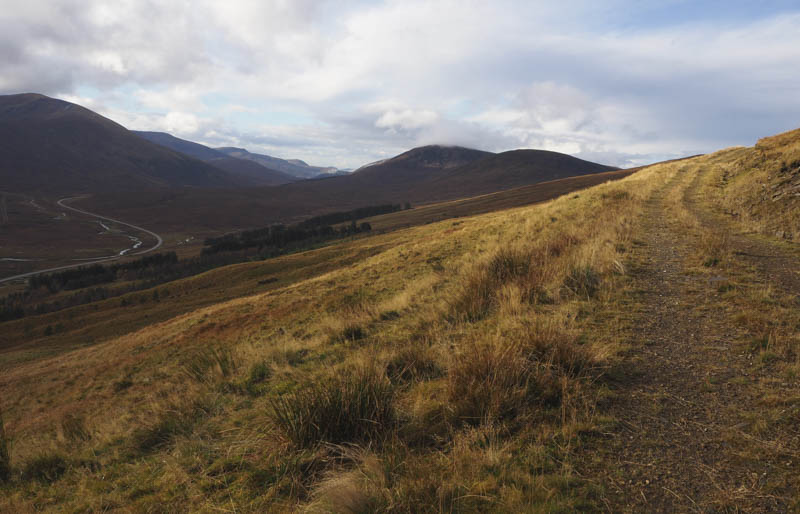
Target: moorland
(586,341)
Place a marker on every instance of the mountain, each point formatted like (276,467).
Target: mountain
(252,170)
(183,146)
(511,169)
(53,146)
(294,167)
(429,157)
(260,175)
(421,175)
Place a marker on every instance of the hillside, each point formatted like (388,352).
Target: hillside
(183,146)
(54,147)
(513,169)
(421,175)
(258,174)
(247,170)
(630,347)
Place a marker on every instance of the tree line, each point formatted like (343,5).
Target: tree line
(92,282)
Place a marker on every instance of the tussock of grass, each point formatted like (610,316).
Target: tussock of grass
(412,362)
(503,379)
(172,423)
(583,282)
(45,468)
(360,491)
(348,328)
(260,372)
(74,428)
(482,286)
(210,364)
(356,406)
(492,382)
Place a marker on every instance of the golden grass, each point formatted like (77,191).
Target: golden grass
(761,186)
(484,331)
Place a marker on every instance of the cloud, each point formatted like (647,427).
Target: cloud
(349,82)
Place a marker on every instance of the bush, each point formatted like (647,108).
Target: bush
(355,407)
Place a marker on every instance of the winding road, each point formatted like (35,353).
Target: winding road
(62,203)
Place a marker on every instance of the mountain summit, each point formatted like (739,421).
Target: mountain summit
(53,146)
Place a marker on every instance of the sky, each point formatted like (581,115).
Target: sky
(347,82)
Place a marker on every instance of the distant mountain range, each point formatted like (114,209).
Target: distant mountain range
(252,169)
(54,147)
(294,167)
(421,175)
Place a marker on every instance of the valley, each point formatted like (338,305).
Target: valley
(399,257)
(624,341)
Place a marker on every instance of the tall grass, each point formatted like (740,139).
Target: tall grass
(481,286)
(210,364)
(354,407)
(5,455)
(45,468)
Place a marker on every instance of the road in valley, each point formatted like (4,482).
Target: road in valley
(62,203)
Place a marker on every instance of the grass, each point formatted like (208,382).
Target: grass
(45,468)
(364,343)
(5,455)
(453,366)
(356,407)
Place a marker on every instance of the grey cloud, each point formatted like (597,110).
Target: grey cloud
(496,76)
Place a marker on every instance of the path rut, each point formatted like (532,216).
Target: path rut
(686,392)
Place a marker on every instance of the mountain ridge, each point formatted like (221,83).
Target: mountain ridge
(252,170)
(54,146)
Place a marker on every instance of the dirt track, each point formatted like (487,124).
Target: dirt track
(688,393)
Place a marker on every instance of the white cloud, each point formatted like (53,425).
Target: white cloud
(406,119)
(371,78)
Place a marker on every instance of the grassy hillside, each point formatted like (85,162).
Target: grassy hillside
(761,186)
(613,349)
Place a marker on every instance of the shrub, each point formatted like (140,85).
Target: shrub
(46,468)
(354,407)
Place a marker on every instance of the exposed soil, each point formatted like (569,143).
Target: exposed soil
(688,392)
